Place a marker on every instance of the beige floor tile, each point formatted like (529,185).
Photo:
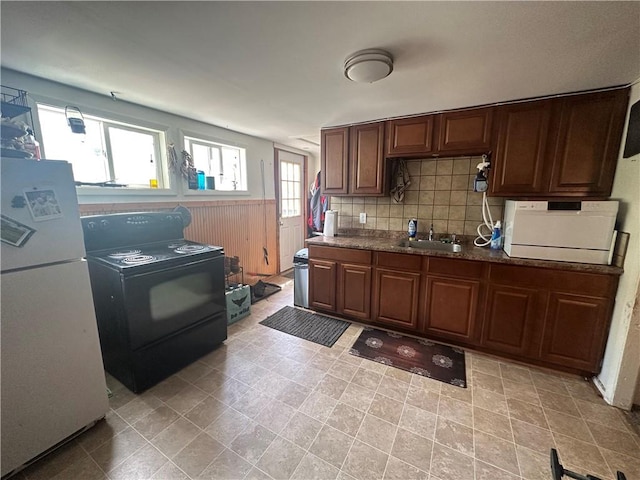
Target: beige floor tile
(485,365)
(58,462)
(312,467)
(533,465)
(454,435)
(252,403)
(206,412)
(452,391)
(227,465)
(281,459)
(527,412)
(211,381)
(175,437)
(426,383)
(521,391)
(491,401)
(169,388)
(156,421)
(365,462)
(559,403)
(577,452)
(346,419)
(619,462)
(448,463)
(399,470)
(616,440)
(169,471)
(418,421)
(85,468)
(516,373)
(412,449)
(331,445)
(357,397)
(386,408)
(143,464)
(484,471)
(377,433)
(112,453)
(189,397)
(318,406)
(345,371)
(603,414)
(567,425)
(194,371)
(294,395)
(549,381)
(584,390)
(420,397)
(456,410)
(275,416)
(230,391)
(492,423)
(393,388)
(252,442)
(398,374)
(139,407)
(487,382)
(102,432)
(332,386)
(228,426)
(198,454)
(301,430)
(496,452)
(534,438)
(367,378)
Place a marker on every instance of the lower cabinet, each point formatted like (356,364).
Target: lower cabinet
(322,284)
(395,296)
(549,317)
(512,315)
(354,291)
(451,308)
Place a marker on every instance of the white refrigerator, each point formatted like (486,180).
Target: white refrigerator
(52,376)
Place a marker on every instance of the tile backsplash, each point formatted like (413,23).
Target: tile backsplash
(441,193)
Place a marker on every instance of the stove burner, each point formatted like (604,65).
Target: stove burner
(175,245)
(190,249)
(124,253)
(137,259)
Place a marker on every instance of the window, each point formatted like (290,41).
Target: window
(109,152)
(225,163)
(290,191)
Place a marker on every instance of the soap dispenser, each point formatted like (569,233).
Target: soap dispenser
(496,237)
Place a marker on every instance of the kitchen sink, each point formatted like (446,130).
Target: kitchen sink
(431,245)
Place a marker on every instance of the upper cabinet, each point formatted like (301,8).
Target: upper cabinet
(352,160)
(464,132)
(565,147)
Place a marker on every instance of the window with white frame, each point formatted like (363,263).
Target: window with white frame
(290,189)
(225,163)
(109,151)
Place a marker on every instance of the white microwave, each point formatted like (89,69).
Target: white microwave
(564,231)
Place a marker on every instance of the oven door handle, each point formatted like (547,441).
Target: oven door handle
(177,267)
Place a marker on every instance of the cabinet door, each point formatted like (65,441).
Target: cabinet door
(334,160)
(354,291)
(519,160)
(465,132)
(511,319)
(396,298)
(322,284)
(366,166)
(575,331)
(410,136)
(589,135)
(451,308)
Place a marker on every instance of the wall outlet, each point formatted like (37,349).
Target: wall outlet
(363,218)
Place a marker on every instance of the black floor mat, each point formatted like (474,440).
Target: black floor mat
(262,290)
(310,326)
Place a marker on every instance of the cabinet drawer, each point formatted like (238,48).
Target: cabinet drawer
(455,267)
(347,255)
(400,261)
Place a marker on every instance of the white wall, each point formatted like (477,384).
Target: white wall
(257,149)
(621,365)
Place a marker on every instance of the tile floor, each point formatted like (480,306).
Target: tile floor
(267,405)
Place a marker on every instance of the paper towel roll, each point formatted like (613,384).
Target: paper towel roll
(330,223)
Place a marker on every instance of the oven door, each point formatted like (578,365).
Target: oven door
(164,302)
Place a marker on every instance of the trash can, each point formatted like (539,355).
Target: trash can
(301,278)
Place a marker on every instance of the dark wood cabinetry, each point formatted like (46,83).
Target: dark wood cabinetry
(562,147)
(352,160)
(545,316)
(451,133)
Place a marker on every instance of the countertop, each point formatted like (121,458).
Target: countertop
(469,252)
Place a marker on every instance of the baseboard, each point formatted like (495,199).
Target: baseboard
(603,391)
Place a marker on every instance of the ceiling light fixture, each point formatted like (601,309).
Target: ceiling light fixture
(368,66)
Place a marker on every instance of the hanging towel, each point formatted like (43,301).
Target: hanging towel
(402,181)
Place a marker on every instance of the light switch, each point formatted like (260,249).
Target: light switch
(363,218)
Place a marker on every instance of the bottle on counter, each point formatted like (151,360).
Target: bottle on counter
(412,229)
(496,237)
(202,182)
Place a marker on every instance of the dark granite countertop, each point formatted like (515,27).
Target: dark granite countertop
(469,252)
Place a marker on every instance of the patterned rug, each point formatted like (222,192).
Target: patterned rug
(415,355)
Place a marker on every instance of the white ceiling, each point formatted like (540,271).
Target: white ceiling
(274,69)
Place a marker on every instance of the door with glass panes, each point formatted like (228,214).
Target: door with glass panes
(290,206)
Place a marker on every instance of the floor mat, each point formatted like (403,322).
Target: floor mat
(310,326)
(415,355)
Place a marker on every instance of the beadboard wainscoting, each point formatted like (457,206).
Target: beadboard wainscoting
(236,225)
(441,193)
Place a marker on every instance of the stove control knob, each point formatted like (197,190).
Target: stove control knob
(92,226)
(104,224)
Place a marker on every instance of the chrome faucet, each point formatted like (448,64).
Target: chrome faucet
(431,233)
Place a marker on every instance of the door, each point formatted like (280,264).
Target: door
(467,132)
(322,284)
(334,160)
(396,297)
(291,201)
(366,167)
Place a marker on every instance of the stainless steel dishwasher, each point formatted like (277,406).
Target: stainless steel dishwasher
(301,278)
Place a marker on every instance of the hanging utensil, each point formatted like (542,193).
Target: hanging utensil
(265,252)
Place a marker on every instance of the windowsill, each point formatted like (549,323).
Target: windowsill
(216,193)
(122,191)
